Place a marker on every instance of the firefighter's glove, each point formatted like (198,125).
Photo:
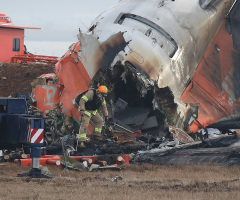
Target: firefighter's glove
(108,124)
(82,112)
(110,129)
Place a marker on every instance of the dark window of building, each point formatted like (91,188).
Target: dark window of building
(16,44)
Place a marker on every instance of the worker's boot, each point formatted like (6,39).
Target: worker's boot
(82,145)
(97,137)
(81,142)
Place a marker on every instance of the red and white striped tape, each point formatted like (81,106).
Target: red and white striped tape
(36,135)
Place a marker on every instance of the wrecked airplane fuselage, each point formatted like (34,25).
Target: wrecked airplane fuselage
(162,43)
(179,59)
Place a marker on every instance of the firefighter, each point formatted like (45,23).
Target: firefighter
(89,104)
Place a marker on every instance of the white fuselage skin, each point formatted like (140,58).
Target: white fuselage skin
(191,27)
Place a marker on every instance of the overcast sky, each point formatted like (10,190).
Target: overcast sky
(59,19)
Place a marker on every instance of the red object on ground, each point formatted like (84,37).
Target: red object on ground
(43,156)
(11,38)
(52,159)
(28,162)
(85,158)
(137,133)
(52,162)
(49,156)
(123,159)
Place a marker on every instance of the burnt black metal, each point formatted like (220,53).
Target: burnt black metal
(224,154)
(227,124)
(220,142)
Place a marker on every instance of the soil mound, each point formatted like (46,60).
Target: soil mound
(16,77)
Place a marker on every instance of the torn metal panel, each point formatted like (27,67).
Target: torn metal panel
(95,55)
(55,96)
(150,122)
(74,77)
(46,96)
(46,92)
(215,85)
(120,105)
(234,18)
(133,116)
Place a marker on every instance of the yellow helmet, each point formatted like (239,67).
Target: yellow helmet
(103,89)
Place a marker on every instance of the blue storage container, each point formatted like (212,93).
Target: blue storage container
(3,122)
(13,105)
(15,121)
(11,130)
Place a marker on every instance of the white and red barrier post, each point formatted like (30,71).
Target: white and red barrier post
(36,139)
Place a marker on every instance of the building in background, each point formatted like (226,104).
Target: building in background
(11,39)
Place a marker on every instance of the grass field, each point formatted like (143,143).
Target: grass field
(137,182)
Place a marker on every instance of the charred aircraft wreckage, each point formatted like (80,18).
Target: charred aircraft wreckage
(172,63)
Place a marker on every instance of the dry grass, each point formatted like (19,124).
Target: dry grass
(138,182)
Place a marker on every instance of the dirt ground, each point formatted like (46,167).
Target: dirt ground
(134,182)
(15,77)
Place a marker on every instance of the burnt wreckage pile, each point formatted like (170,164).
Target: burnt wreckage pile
(133,100)
(136,124)
(140,127)
(224,150)
(136,112)
(133,111)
